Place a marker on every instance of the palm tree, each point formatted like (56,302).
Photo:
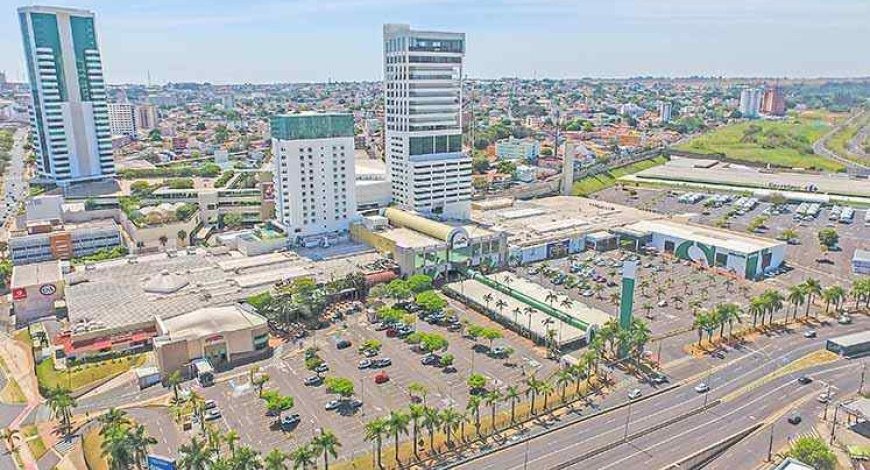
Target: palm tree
(500,304)
(473,408)
(326,444)
(61,403)
(774,300)
(449,419)
(275,459)
(545,389)
(231,437)
(194,456)
(487,298)
(516,311)
(174,380)
(756,308)
(431,421)
(9,435)
(302,457)
(117,447)
(532,388)
(512,394)
(563,378)
(550,298)
(397,423)
(246,459)
(833,295)
(492,398)
(813,289)
(796,296)
(374,432)
(112,418)
(700,323)
(415,412)
(140,441)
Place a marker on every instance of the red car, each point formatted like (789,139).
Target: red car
(381,377)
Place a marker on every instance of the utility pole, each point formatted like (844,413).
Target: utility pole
(627,419)
(861,384)
(834,424)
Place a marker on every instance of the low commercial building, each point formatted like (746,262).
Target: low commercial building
(743,255)
(518,149)
(37,290)
(419,244)
(853,345)
(226,336)
(861,262)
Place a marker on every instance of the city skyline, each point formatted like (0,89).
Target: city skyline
(519,38)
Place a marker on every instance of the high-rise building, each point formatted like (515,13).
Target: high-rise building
(314,172)
(145,117)
(422,120)
(121,121)
(69,114)
(750,102)
(664,112)
(773,102)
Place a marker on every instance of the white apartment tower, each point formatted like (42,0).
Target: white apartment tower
(750,102)
(664,112)
(423,121)
(121,119)
(69,114)
(314,172)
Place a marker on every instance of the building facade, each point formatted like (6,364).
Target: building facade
(750,102)
(422,120)
(121,119)
(69,115)
(145,117)
(664,112)
(517,149)
(314,172)
(773,102)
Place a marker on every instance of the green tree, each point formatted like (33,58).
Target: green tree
(194,456)
(476,382)
(374,433)
(814,452)
(430,301)
(275,460)
(415,413)
(431,421)
(303,457)
(340,386)
(828,238)
(420,283)
(155,135)
(232,220)
(61,403)
(397,423)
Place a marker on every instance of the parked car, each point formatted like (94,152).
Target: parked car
(634,394)
(212,414)
(449,370)
(321,368)
(844,320)
(382,362)
(332,405)
(454,327)
(429,360)
(381,377)
(210,404)
(659,379)
(314,381)
(342,344)
(364,364)
(810,334)
(290,421)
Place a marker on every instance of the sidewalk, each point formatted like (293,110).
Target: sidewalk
(19,361)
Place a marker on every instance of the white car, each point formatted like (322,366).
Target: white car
(634,394)
(702,388)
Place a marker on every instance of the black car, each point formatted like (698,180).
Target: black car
(314,381)
(794,419)
(454,327)
(804,379)
(449,370)
(342,344)
(321,368)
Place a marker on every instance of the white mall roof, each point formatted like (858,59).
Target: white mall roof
(209,321)
(726,239)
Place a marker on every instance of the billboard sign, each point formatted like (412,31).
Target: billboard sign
(47,289)
(19,293)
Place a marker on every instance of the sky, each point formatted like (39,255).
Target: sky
(266,41)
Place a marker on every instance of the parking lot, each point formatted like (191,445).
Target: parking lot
(242,410)
(806,256)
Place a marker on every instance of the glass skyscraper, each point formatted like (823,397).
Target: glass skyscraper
(71,134)
(428,171)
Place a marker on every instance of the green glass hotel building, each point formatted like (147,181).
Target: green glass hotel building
(69,115)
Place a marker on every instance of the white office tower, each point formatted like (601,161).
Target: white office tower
(121,120)
(664,112)
(422,121)
(750,102)
(314,172)
(69,115)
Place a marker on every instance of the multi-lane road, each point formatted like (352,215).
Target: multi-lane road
(15,187)
(745,390)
